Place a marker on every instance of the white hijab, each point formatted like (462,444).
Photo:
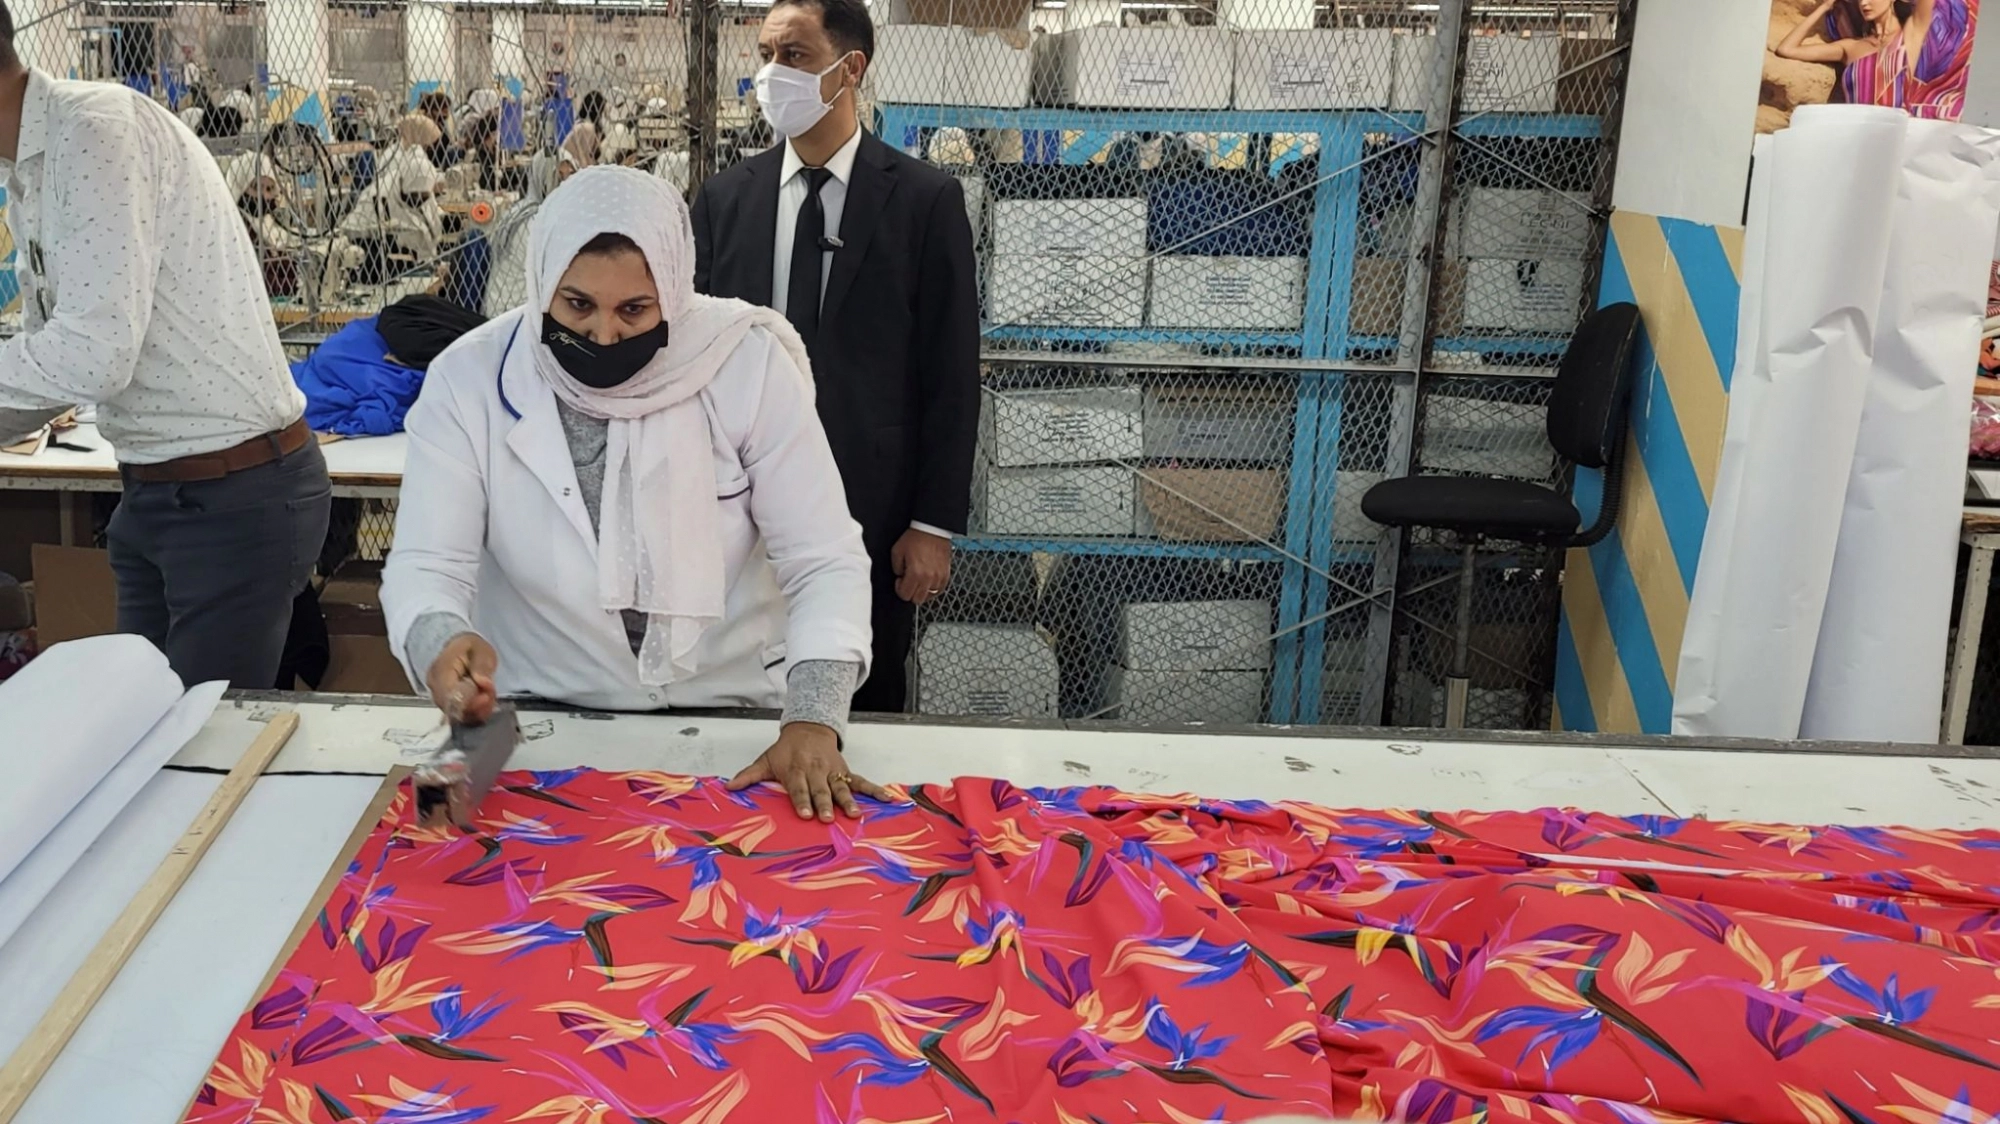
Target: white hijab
(659,544)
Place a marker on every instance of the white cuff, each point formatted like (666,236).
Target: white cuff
(927,529)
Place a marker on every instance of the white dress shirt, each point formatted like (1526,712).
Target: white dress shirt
(792,190)
(140,290)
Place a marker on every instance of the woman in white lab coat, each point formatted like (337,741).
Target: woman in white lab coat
(619,496)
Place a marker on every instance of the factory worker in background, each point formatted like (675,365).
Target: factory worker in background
(618,496)
(142,295)
(869,253)
(400,204)
(275,230)
(579,150)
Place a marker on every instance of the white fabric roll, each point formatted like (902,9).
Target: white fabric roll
(68,718)
(1834,173)
(1694,683)
(1879,671)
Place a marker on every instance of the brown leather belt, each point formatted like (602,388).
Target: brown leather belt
(222,462)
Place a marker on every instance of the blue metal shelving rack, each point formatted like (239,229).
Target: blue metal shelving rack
(1324,338)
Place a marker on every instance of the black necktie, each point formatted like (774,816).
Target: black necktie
(802,294)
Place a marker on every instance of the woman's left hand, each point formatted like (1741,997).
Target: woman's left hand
(806,760)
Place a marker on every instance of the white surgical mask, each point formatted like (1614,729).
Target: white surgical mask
(789,97)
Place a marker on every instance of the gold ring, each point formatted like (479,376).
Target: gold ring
(839,778)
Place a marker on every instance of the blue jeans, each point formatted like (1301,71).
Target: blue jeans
(207,570)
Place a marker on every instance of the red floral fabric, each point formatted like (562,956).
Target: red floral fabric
(616,947)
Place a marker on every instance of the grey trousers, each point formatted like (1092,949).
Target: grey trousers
(207,570)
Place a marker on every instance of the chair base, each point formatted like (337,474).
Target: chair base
(1456,691)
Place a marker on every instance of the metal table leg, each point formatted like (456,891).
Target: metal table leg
(1965,649)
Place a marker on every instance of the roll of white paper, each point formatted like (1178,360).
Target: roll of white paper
(65,720)
(1833,188)
(1878,674)
(1694,682)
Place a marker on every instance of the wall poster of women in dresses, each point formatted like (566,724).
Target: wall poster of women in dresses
(1912,55)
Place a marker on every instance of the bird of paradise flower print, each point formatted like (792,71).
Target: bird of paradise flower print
(646,948)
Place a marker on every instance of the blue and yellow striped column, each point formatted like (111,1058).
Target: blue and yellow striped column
(1625,600)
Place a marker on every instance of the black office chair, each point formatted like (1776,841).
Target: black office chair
(1589,410)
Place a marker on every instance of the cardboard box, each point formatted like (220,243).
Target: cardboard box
(362,665)
(1137,67)
(1543,297)
(1504,223)
(1377,308)
(1195,636)
(1234,698)
(1211,504)
(1485,438)
(1324,69)
(1092,292)
(969,13)
(1031,427)
(909,63)
(1588,92)
(359,659)
(991,68)
(1218,423)
(1055,502)
(1075,228)
(992,670)
(1235,294)
(1510,74)
(75,594)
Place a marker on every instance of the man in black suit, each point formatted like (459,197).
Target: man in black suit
(868,252)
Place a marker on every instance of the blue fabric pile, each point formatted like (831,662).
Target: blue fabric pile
(352,385)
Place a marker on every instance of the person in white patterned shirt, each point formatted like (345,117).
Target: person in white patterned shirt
(143,296)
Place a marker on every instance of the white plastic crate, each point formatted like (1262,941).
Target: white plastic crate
(1228,293)
(1073,426)
(1320,69)
(1195,636)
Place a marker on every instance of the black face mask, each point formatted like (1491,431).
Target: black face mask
(601,366)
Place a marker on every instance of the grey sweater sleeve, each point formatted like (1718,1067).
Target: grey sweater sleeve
(820,691)
(816,690)
(428,636)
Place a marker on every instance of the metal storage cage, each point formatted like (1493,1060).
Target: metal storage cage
(1239,261)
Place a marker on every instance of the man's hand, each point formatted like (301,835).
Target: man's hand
(461,679)
(806,760)
(922,562)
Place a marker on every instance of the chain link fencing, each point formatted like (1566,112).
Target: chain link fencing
(1240,260)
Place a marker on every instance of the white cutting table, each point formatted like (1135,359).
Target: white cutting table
(149,1042)
(360,467)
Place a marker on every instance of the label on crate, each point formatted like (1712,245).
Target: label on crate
(1227,290)
(1054,498)
(1064,426)
(1147,73)
(989,703)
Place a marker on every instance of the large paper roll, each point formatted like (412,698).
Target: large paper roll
(68,717)
(1834,178)
(1878,674)
(1694,682)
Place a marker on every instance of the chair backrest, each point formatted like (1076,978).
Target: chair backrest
(1591,402)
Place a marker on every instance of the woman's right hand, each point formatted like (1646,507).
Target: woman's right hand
(461,679)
